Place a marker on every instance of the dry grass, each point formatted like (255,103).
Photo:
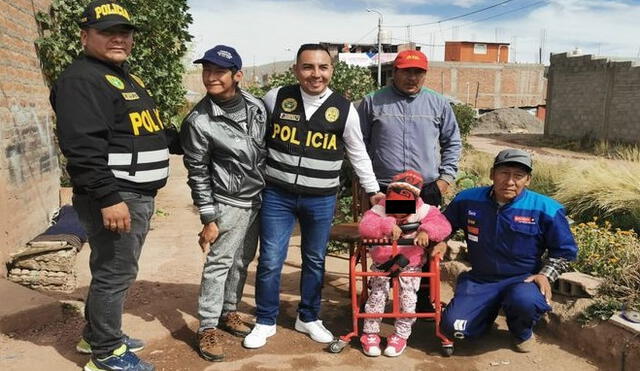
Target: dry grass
(602,188)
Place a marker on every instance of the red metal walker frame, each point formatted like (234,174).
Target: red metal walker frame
(360,257)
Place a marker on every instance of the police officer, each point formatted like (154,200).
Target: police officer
(508,229)
(110,131)
(310,130)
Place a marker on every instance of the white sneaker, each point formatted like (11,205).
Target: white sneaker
(315,329)
(257,338)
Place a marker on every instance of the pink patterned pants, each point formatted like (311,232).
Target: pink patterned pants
(378,296)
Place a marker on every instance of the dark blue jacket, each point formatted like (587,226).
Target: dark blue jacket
(510,240)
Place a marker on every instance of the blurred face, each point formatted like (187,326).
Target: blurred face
(509,182)
(313,70)
(221,83)
(112,45)
(409,80)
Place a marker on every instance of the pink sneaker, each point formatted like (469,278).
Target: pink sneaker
(370,344)
(395,346)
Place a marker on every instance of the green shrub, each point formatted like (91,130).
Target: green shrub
(613,255)
(466,117)
(156,57)
(352,82)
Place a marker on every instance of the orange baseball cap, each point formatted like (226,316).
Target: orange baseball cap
(411,59)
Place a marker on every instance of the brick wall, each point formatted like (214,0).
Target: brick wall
(29,174)
(497,85)
(595,98)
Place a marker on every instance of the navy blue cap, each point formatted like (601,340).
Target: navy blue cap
(223,56)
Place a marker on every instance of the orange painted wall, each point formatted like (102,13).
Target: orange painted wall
(463,52)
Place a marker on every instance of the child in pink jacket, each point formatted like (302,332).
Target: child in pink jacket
(376,223)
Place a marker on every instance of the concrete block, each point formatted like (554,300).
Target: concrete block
(576,284)
(617,320)
(456,250)
(23,308)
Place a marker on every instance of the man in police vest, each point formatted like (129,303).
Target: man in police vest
(110,131)
(311,129)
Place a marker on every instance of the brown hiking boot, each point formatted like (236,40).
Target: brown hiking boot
(524,346)
(210,345)
(233,324)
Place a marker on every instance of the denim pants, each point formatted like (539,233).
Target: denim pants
(114,266)
(225,268)
(279,212)
(476,303)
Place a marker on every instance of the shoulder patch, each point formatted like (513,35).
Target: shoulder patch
(138,80)
(115,81)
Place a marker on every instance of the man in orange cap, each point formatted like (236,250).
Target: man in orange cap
(408,126)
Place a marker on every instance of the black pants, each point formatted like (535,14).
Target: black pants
(114,267)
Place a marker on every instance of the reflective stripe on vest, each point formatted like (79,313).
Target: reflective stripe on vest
(144,157)
(143,176)
(309,163)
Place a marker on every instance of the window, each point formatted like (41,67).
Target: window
(479,48)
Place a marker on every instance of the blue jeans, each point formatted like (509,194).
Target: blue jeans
(476,303)
(279,212)
(114,267)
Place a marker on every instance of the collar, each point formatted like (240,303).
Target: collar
(316,98)
(217,111)
(491,197)
(124,69)
(402,94)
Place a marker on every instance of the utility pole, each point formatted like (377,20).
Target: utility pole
(379,45)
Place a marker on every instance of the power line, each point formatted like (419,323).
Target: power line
(495,15)
(454,17)
(367,34)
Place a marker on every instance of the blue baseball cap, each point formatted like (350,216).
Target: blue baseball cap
(223,56)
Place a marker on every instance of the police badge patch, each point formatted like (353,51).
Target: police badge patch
(289,104)
(331,114)
(115,81)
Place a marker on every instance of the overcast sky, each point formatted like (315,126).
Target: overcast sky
(264,31)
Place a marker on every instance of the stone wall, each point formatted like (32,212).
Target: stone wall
(29,171)
(593,98)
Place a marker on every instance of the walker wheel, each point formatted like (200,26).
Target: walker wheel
(337,346)
(447,350)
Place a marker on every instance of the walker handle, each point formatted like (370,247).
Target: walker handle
(387,241)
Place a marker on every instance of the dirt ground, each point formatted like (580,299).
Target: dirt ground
(161,309)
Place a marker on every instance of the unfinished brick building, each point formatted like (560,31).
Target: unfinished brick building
(29,171)
(594,98)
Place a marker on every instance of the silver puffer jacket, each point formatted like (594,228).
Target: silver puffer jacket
(225,162)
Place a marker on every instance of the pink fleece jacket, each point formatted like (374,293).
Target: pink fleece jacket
(376,224)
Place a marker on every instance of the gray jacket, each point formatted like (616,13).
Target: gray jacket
(416,132)
(224,160)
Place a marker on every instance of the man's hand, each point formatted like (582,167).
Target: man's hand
(116,218)
(396,232)
(543,284)
(375,199)
(422,239)
(443,186)
(439,248)
(208,235)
